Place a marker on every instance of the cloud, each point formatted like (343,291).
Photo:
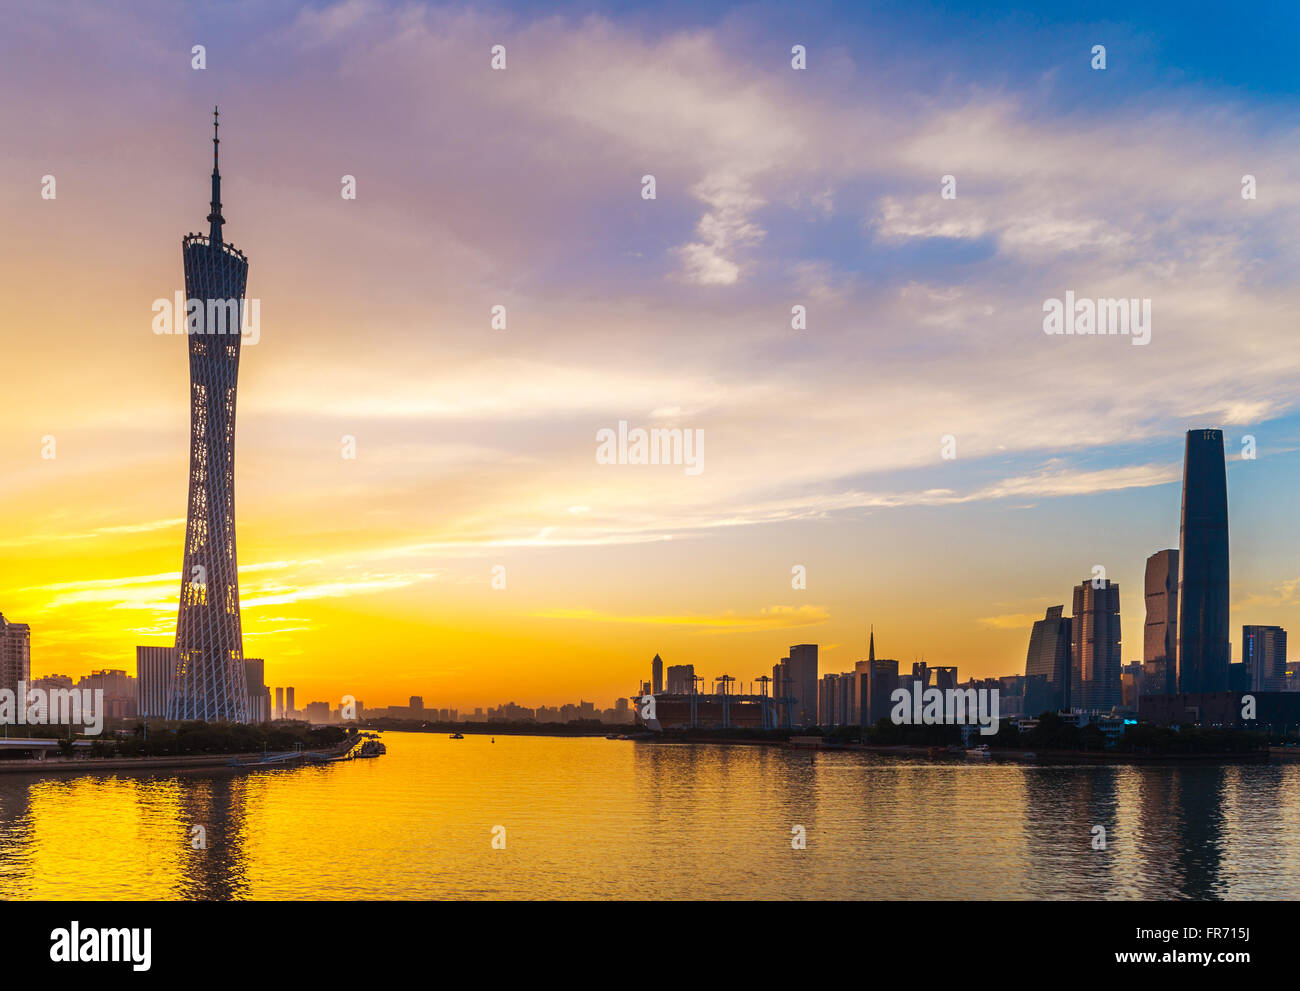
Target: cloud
(769,618)
(1011,621)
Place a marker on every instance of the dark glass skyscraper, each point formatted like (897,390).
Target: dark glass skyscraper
(1047,665)
(209,681)
(1203,566)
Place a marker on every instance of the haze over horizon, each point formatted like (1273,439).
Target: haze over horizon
(522,188)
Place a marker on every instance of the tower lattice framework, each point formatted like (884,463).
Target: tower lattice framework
(208,681)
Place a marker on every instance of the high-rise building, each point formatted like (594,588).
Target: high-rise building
(681,679)
(801,669)
(657,674)
(877,680)
(417,703)
(15,654)
(120,692)
(153,673)
(279,703)
(1203,651)
(288,703)
(1130,680)
(1263,651)
(1095,646)
(835,700)
(317,712)
(208,682)
(1047,665)
(1160,634)
(259,696)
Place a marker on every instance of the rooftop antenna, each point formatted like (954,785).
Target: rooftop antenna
(215,218)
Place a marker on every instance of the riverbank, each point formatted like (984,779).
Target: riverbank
(1011,755)
(1046,756)
(98,765)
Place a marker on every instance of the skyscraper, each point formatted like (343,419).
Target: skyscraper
(1203,566)
(1160,635)
(209,681)
(801,669)
(1263,651)
(1095,646)
(15,654)
(1047,665)
(259,696)
(657,674)
(279,703)
(877,679)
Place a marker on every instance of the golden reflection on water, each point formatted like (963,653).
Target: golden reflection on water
(595,818)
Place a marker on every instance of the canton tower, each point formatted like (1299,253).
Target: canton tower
(208,679)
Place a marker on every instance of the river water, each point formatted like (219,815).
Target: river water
(609,819)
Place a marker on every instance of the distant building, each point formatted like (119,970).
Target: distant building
(119,688)
(876,683)
(681,679)
(1160,634)
(51,682)
(1095,646)
(417,703)
(1011,695)
(780,685)
(259,696)
(1047,665)
(279,703)
(802,670)
(1293,676)
(657,674)
(153,672)
(15,654)
(1263,651)
(289,711)
(317,712)
(835,700)
(1130,682)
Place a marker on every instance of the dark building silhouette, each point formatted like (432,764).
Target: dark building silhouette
(681,679)
(1203,567)
(1047,665)
(1160,635)
(657,674)
(1263,652)
(801,669)
(1095,664)
(877,680)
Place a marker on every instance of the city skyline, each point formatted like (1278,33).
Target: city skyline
(475,446)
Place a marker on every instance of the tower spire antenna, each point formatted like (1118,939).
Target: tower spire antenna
(215,218)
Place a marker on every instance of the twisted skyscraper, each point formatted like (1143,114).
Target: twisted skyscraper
(208,682)
(1203,566)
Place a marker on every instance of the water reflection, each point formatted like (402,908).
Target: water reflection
(615,819)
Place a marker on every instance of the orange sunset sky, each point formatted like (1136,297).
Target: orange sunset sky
(522,188)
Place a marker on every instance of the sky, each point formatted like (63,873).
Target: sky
(823,446)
